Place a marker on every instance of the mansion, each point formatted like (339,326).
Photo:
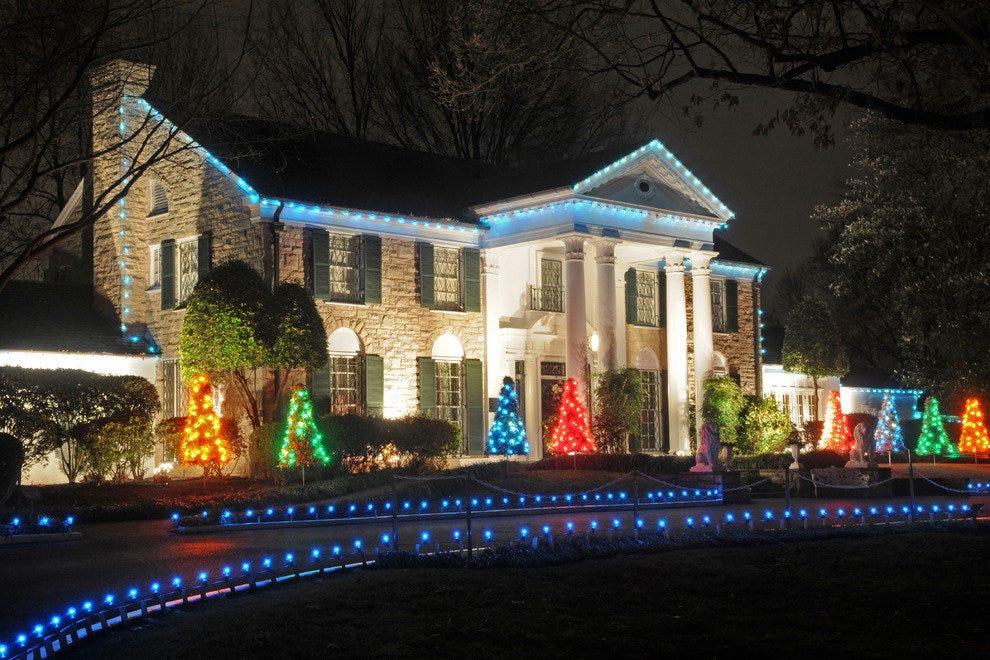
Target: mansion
(436,277)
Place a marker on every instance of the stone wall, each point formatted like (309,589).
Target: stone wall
(639,337)
(398,329)
(739,348)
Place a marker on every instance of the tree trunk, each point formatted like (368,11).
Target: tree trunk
(249,399)
(814,399)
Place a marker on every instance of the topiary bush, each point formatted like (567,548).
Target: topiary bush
(778,461)
(11,462)
(721,405)
(265,443)
(358,442)
(813,433)
(648,463)
(428,439)
(764,428)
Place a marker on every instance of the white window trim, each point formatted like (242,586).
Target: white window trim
(154,250)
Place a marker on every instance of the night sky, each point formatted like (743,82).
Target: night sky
(772,182)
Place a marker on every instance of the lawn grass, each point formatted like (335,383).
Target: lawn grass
(907,594)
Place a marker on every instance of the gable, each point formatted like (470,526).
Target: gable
(668,170)
(648,185)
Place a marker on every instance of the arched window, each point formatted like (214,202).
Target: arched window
(650,420)
(343,373)
(448,354)
(719,366)
(647,360)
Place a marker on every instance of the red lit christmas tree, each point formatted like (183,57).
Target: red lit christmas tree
(973,438)
(836,435)
(203,442)
(572,432)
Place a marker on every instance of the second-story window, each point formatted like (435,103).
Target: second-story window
(447,278)
(188,268)
(156,266)
(646,298)
(345,268)
(549,296)
(719,320)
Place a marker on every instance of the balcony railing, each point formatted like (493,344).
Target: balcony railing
(546,299)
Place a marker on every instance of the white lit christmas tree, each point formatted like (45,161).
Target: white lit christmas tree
(888,436)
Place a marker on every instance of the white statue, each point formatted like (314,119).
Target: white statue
(856,459)
(708,443)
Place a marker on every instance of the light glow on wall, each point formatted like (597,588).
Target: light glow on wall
(98,363)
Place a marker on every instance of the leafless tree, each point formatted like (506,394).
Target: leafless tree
(923,62)
(473,78)
(322,61)
(52,54)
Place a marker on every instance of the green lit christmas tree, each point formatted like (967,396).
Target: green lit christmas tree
(302,444)
(507,435)
(933,438)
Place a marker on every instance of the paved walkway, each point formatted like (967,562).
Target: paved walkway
(41,580)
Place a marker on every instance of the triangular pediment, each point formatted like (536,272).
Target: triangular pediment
(652,176)
(651,187)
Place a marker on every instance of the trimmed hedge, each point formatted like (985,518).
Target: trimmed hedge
(648,463)
(819,458)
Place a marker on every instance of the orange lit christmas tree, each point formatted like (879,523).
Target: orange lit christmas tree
(203,442)
(973,438)
(572,432)
(836,435)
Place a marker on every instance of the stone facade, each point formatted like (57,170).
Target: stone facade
(203,199)
(398,329)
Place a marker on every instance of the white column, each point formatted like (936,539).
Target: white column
(677,386)
(495,367)
(606,305)
(575,312)
(701,299)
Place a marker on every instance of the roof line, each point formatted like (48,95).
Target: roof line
(664,155)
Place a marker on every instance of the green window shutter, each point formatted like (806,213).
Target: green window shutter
(321,264)
(631,315)
(319,389)
(474,384)
(426,298)
(732,305)
(204,261)
(371,262)
(374,385)
(427,387)
(472,280)
(662,288)
(168,274)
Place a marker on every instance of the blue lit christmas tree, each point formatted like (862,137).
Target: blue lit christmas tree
(888,436)
(507,435)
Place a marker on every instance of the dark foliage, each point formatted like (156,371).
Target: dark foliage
(648,463)
(11,461)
